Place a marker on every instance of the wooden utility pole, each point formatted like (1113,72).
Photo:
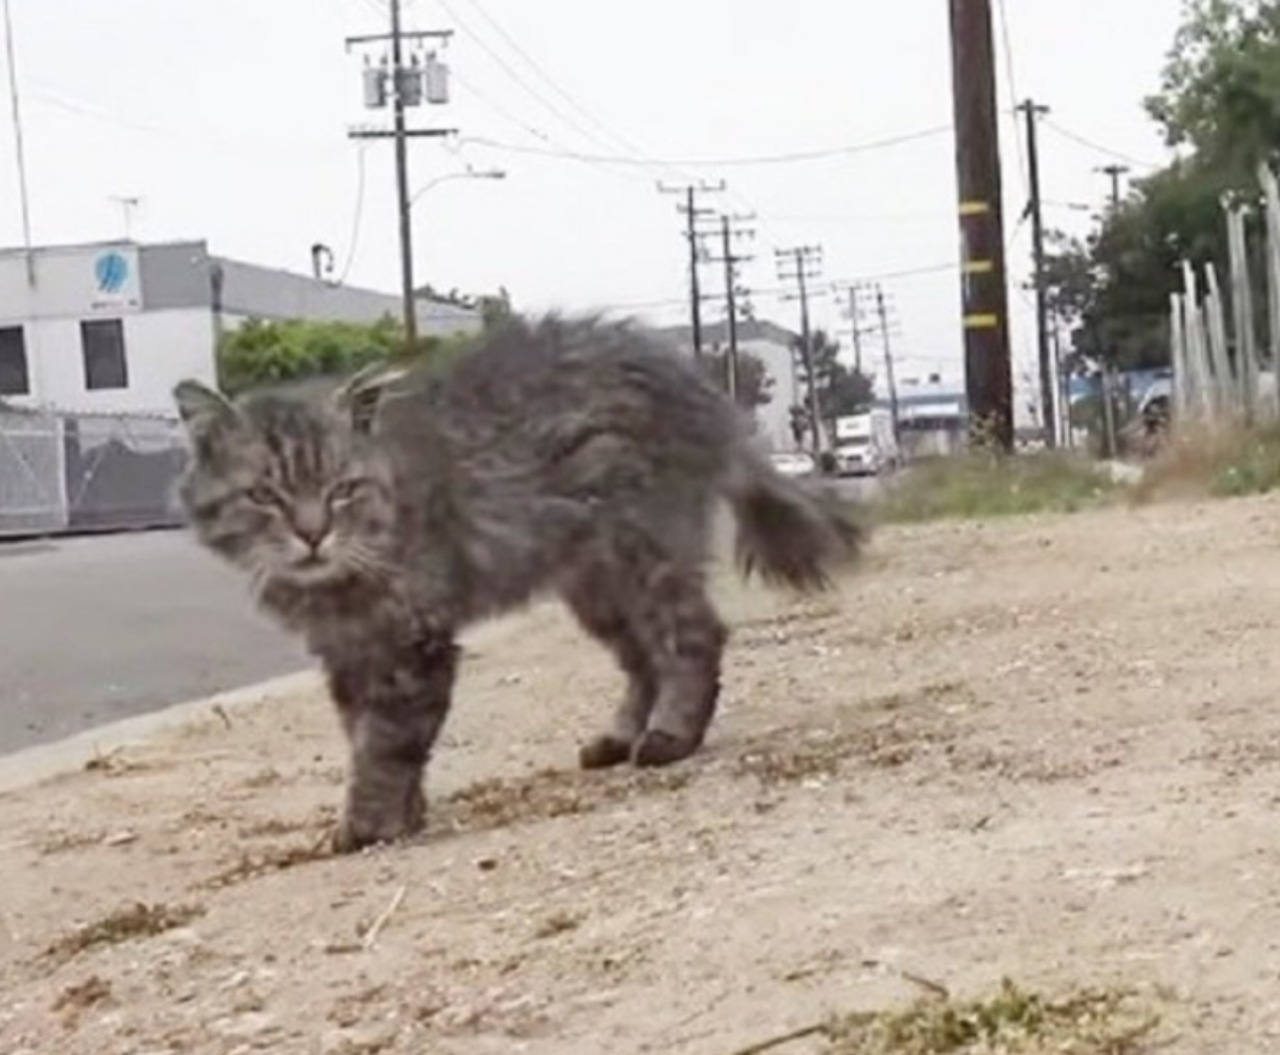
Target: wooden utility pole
(1115,172)
(1044,351)
(1105,377)
(799,265)
(19,149)
(889,381)
(404,83)
(731,260)
(857,330)
(402,181)
(988,373)
(691,213)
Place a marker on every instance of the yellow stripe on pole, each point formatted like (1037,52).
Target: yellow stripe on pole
(981,322)
(978,267)
(974,208)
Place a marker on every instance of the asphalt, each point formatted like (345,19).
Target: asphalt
(97,629)
(100,628)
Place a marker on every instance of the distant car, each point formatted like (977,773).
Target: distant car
(793,463)
(858,457)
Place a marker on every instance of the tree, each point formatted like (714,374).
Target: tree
(755,384)
(1220,84)
(263,352)
(841,389)
(1217,105)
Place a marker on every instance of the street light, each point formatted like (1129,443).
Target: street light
(468,173)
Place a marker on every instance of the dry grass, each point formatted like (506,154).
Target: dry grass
(1013,1021)
(980,485)
(138,920)
(1205,461)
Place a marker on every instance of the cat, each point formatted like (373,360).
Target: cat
(379,516)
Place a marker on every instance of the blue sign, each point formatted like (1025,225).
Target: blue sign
(111,270)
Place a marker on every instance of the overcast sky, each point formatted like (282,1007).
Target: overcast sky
(229,120)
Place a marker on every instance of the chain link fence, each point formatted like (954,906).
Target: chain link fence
(63,472)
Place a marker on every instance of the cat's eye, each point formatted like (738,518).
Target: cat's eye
(261,495)
(344,491)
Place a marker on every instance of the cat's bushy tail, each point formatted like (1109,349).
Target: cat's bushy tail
(789,533)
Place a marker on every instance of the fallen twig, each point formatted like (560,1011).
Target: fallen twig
(221,712)
(928,984)
(786,1038)
(371,935)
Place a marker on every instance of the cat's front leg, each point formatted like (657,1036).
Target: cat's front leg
(393,703)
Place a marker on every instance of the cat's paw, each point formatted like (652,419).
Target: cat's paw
(352,835)
(656,748)
(602,752)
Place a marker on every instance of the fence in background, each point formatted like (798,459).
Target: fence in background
(1222,371)
(62,472)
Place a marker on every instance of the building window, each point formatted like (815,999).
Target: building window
(14,379)
(104,358)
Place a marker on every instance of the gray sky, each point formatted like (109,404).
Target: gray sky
(230,119)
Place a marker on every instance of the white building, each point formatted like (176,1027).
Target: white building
(112,327)
(772,345)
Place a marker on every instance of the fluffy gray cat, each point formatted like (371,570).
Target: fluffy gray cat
(380,517)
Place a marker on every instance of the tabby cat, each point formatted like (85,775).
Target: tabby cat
(380,516)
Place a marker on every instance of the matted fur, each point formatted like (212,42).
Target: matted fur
(577,457)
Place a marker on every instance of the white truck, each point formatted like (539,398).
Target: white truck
(865,444)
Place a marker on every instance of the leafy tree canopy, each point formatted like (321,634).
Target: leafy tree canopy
(262,352)
(1219,106)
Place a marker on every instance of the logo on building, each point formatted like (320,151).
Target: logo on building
(111,270)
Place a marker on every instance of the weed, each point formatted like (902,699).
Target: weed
(976,486)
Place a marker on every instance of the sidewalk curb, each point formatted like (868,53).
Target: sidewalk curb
(33,765)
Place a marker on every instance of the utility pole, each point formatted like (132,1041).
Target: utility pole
(1105,373)
(1047,415)
(1063,394)
(988,373)
(691,213)
(731,260)
(857,330)
(799,265)
(889,381)
(1115,172)
(19,149)
(407,84)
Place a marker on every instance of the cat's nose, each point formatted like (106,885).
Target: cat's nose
(311,536)
(310,524)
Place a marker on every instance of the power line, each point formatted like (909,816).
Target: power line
(616,137)
(1084,141)
(533,131)
(530,90)
(763,159)
(358,218)
(1006,41)
(786,292)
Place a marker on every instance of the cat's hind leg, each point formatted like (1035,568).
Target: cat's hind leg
(593,595)
(670,613)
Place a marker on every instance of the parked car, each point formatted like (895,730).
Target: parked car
(793,463)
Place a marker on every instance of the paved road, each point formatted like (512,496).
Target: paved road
(100,628)
(105,627)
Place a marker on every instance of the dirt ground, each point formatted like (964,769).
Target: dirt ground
(1046,749)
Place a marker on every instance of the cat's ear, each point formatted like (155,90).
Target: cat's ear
(200,406)
(359,395)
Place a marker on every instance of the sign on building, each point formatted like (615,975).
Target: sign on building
(114,278)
